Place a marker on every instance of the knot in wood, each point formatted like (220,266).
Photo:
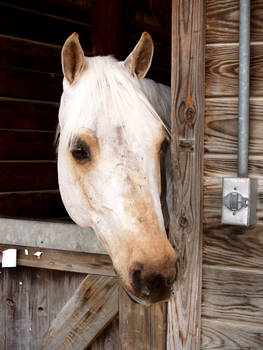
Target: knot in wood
(189,115)
(10,302)
(183,222)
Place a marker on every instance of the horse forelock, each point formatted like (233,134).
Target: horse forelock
(106,89)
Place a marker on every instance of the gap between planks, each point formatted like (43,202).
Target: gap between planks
(24,100)
(252,43)
(53,75)
(11,37)
(30,192)
(232,98)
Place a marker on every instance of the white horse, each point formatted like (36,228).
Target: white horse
(112,125)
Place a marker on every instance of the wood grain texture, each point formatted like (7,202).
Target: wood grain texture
(92,307)
(28,115)
(218,335)
(221,127)
(39,85)
(222,71)
(233,247)
(28,54)
(232,295)
(29,300)
(109,339)
(232,255)
(222,19)
(53,259)
(141,328)
(187,123)
(219,165)
(15,306)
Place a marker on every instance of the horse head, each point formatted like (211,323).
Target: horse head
(111,138)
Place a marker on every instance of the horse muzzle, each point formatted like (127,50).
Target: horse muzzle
(148,286)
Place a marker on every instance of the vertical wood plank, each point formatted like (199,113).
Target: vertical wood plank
(15,307)
(109,339)
(38,306)
(187,95)
(141,327)
(64,282)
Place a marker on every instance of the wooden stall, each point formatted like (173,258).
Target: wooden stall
(67,296)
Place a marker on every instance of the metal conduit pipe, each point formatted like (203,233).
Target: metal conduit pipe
(239,194)
(243,102)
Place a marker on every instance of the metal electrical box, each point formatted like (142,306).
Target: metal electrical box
(239,201)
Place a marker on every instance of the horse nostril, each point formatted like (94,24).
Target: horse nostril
(156,281)
(138,282)
(136,277)
(151,285)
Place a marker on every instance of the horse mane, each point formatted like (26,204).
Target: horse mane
(109,86)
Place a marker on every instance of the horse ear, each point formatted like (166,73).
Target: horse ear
(139,60)
(72,57)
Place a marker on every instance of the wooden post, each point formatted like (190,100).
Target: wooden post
(187,95)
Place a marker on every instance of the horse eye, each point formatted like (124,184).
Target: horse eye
(81,152)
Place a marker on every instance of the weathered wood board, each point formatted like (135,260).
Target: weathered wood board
(187,98)
(91,308)
(60,260)
(232,294)
(141,327)
(222,70)
(218,334)
(30,299)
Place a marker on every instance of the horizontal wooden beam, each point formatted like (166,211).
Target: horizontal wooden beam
(222,334)
(92,307)
(54,259)
(50,235)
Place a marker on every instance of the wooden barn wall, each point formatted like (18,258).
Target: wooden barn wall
(232,295)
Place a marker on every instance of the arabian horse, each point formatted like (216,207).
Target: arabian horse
(113,136)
